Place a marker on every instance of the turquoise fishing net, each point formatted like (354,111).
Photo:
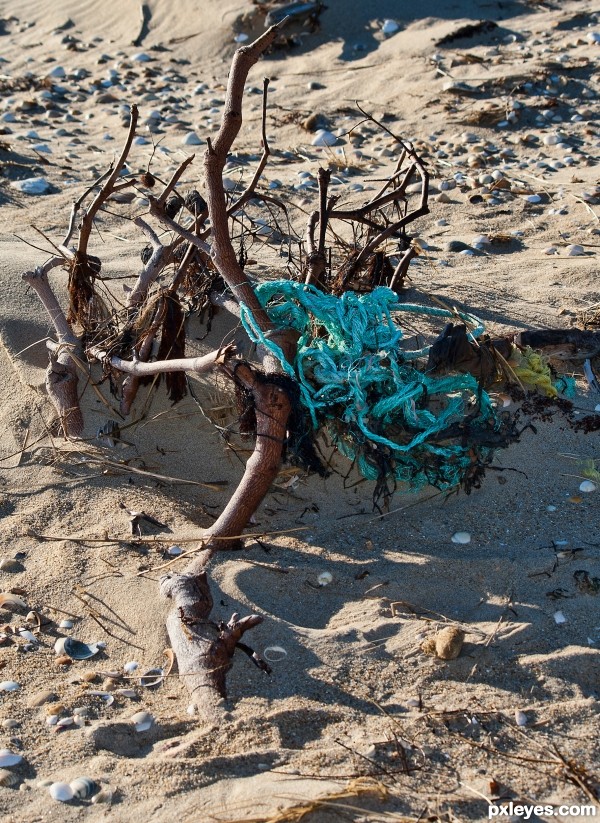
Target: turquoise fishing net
(357,381)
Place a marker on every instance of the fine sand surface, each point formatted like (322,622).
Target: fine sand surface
(356,718)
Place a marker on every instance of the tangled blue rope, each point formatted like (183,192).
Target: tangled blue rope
(357,380)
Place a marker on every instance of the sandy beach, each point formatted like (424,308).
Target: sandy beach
(360,719)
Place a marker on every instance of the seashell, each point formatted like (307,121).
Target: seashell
(174,551)
(52,720)
(8,758)
(152,678)
(533,198)
(574,250)
(587,486)
(103,796)
(131,693)
(64,722)
(142,721)
(131,666)
(65,624)
(324,579)
(61,792)
(76,649)
(42,697)
(274,654)
(520,718)
(10,602)
(107,697)
(32,185)
(27,635)
(559,618)
(9,686)
(83,787)
(461,537)
(8,778)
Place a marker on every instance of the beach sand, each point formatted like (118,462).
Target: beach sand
(355,719)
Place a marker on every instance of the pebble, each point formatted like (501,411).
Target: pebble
(587,487)
(9,686)
(8,758)
(533,198)
(192,139)
(574,250)
(390,27)
(324,138)
(61,792)
(520,718)
(461,537)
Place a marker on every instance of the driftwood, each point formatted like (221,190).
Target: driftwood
(199,263)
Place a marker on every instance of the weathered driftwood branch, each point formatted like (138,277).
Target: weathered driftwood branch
(61,374)
(138,368)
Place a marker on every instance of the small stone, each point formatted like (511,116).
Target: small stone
(533,198)
(461,537)
(559,618)
(447,644)
(587,486)
(57,72)
(192,139)
(457,246)
(32,185)
(390,27)
(574,250)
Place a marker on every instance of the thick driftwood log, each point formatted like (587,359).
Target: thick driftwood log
(204,649)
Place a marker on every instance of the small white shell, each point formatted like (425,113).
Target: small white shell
(142,721)
(9,686)
(8,758)
(559,618)
(390,27)
(65,624)
(59,646)
(274,654)
(324,138)
(461,537)
(52,720)
(574,250)
(587,486)
(61,792)
(108,698)
(174,551)
(131,666)
(65,721)
(10,601)
(152,678)
(324,579)
(520,718)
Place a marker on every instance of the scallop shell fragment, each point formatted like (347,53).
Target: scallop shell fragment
(8,778)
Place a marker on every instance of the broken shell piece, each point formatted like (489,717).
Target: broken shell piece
(61,792)
(390,27)
(64,722)
(9,686)
(10,601)
(152,678)
(8,758)
(126,693)
(103,796)
(324,579)
(78,650)
(274,654)
(83,787)
(587,486)
(559,618)
(142,721)
(131,666)
(65,624)
(174,551)
(520,718)
(107,697)
(461,537)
